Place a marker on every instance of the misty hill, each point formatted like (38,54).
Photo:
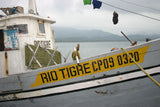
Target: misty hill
(63,34)
(71,34)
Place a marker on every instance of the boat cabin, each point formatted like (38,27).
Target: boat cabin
(18,30)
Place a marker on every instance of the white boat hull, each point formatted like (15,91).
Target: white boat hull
(92,82)
(130,91)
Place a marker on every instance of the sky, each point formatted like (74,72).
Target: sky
(74,14)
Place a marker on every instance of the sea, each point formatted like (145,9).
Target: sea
(90,49)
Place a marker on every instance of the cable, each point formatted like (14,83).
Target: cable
(3,3)
(140,5)
(16,2)
(131,11)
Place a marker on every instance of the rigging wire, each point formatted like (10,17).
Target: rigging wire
(13,3)
(147,7)
(9,3)
(3,3)
(130,11)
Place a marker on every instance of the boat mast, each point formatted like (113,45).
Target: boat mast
(32,8)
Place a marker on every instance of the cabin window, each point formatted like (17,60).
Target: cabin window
(22,28)
(41,28)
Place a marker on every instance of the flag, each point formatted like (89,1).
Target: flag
(87,2)
(96,4)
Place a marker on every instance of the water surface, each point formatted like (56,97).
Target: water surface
(88,49)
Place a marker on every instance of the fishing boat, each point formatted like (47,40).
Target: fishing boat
(123,78)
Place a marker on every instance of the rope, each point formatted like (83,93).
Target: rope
(141,68)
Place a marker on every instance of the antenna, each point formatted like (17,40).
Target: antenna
(32,8)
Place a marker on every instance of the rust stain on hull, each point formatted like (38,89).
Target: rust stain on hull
(6,64)
(101,93)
